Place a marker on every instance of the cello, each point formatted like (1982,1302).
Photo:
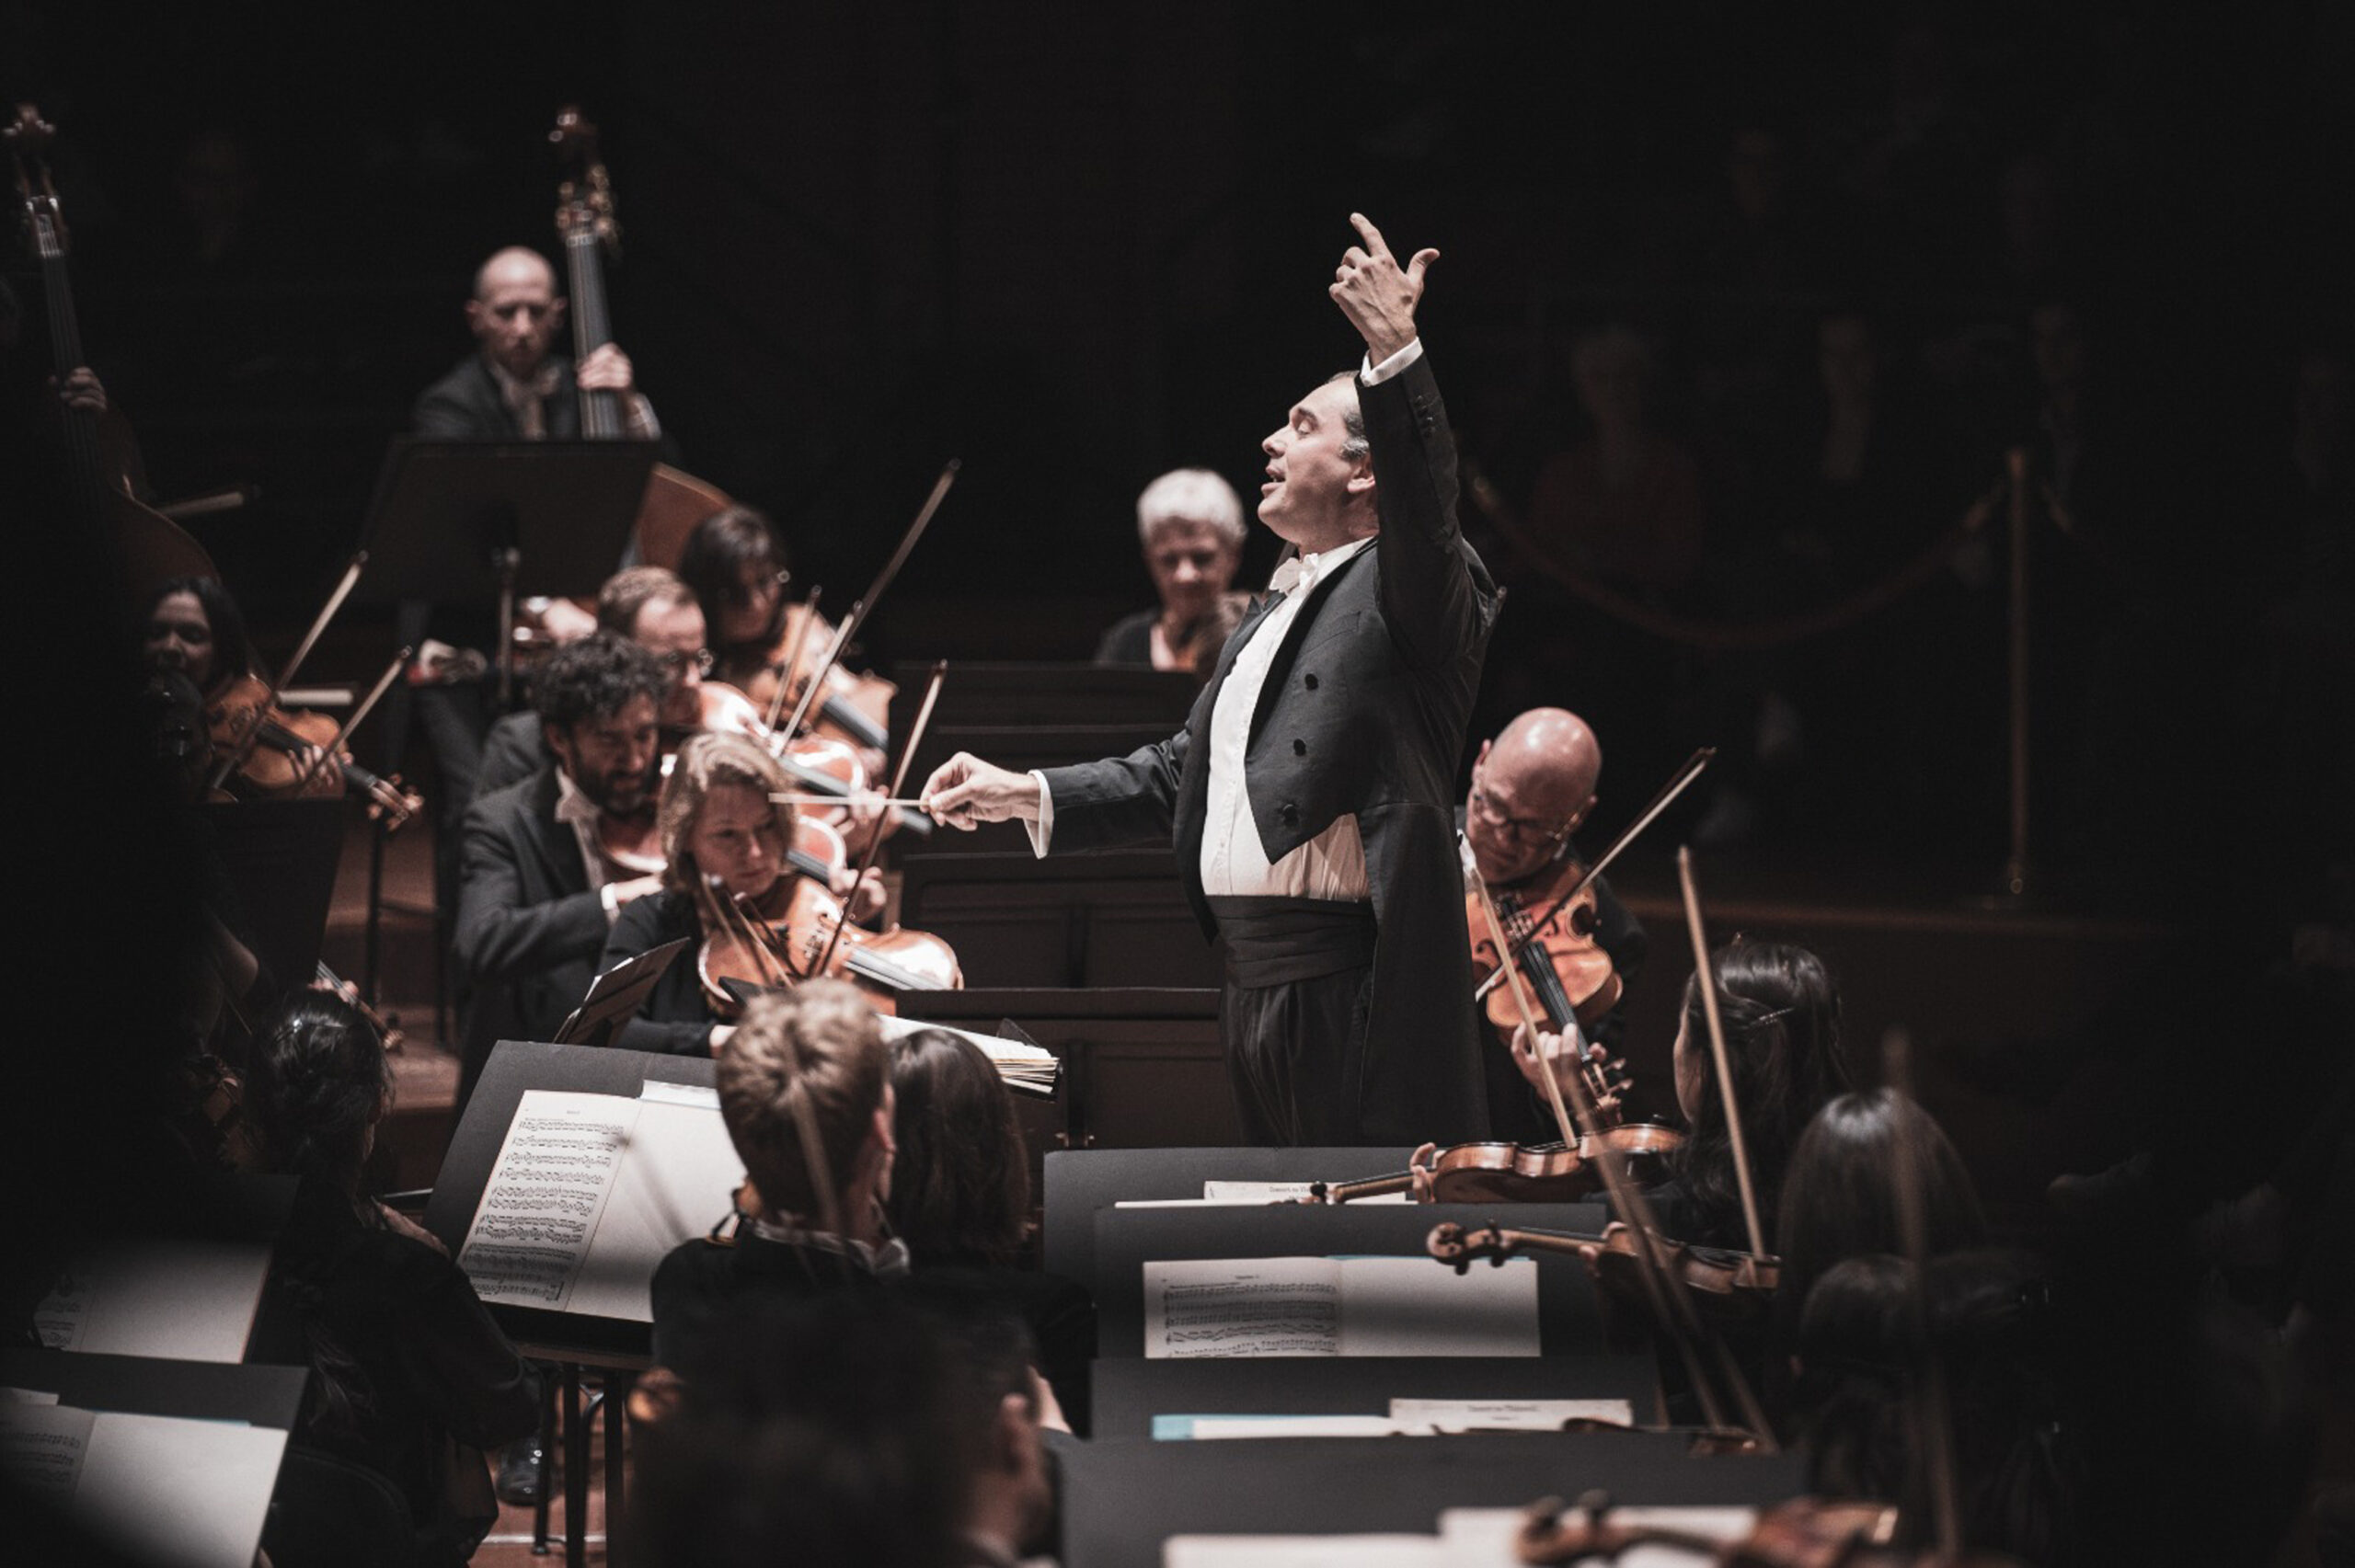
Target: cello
(102,462)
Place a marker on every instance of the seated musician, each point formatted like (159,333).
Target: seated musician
(735,564)
(405,1359)
(550,861)
(961,1198)
(1532,785)
(715,821)
(653,609)
(805,1090)
(843,1432)
(1189,523)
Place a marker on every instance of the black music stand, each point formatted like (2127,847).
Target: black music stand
(444,511)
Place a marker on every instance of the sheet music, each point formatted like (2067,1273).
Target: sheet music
(176,1299)
(1486,1535)
(42,1447)
(1505,1415)
(678,1175)
(539,1210)
(1303,1551)
(1242,1306)
(1359,1306)
(1278,1191)
(171,1490)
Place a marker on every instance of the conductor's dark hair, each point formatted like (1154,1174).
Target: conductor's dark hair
(960,1185)
(828,1426)
(1840,1193)
(319,1080)
(1354,442)
(716,553)
(1781,1011)
(595,678)
(233,650)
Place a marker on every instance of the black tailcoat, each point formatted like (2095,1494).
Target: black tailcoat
(1363,712)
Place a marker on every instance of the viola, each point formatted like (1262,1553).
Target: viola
(852,707)
(293,754)
(1726,1286)
(1568,972)
(1511,1173)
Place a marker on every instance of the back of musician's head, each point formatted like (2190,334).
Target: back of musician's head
(802,1085)
(825,1431)
(1840,1192)
(631,589)
(707,760)
(720,553)
(319,1080)
(595,678)
(1780,1007)
(960,1187)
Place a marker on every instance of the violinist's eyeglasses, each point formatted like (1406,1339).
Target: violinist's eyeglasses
(1484,807)
(674,663)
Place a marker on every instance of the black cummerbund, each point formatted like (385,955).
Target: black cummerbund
(1272,941)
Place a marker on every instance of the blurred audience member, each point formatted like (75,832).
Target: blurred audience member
(1623,504)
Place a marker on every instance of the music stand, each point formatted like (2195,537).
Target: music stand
(615,996)
(461,522)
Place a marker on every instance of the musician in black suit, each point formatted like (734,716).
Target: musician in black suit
(550,861)
(513,388)
(1310,794)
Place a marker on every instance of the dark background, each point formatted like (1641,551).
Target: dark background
(1078,244)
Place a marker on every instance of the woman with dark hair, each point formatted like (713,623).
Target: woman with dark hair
(961,1198)
(735,564)
(193,626)
(1840,1192)
(1781,1012)
(410,1375)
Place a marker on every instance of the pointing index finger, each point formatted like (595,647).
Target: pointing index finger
(1373,240)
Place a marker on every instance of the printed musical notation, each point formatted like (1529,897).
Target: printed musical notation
(532,1230)
(1356,1306)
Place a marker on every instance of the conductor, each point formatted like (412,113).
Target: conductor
(1311,793)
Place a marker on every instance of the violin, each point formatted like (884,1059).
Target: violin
(820,764)
(1565,968)
(812,940)
(1509,1173)
(1801,1532)
(1726,1286)
(293,755)
(852,707)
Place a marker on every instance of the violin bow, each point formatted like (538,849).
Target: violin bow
(1708,978)
(1675,786)
(898,782)
(792,658)
(809,698)
(1933,1417)
(866,606)
(367,705)
(1669,1303)
(244,747)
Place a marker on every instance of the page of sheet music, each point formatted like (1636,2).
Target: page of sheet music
(42,1447)
(1486,1535)
(193,1493)
(1415,1307)
(550,1184)
(1303,1551)
(679,1174)
(1202,1307)
(178,1300)
(1277,1192)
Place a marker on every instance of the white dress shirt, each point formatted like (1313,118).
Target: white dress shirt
(576,810)
(1234,859)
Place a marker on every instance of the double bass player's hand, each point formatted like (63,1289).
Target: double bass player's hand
(606,369)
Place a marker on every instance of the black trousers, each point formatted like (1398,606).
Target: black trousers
(1294,1015)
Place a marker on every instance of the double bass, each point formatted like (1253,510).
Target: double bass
(102,459)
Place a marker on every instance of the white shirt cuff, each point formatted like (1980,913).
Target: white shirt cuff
(1375,375)
(1043,829)
(608,896)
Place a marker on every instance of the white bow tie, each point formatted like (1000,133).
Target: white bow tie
(1295,573)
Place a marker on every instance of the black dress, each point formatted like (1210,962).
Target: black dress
(406,1362)
(675,1020)
(699,1279)
(1129,639)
